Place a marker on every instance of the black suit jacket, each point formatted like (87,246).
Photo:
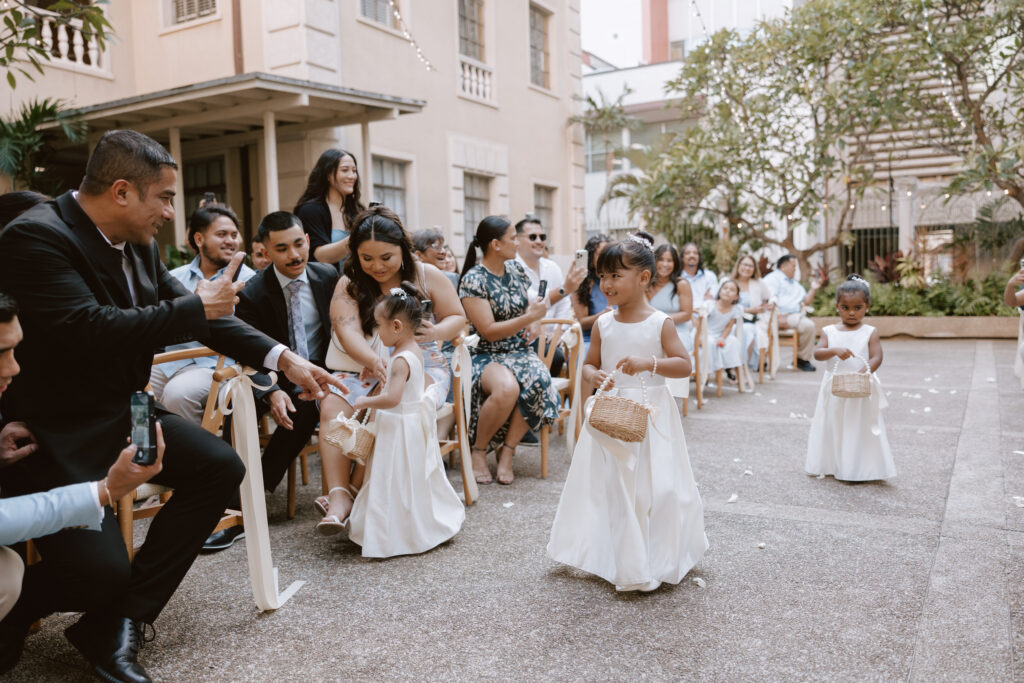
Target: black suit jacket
(87,348)
(261,304)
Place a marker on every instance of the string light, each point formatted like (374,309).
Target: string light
(942,64)
(403,28)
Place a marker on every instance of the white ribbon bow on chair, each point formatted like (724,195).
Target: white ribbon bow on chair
(571,338)
(462,367)
(236,396)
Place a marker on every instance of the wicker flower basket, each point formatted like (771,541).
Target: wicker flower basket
(851,384)
(619,417)
(355,438)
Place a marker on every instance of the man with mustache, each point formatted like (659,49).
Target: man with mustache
(183,386)
(288,301)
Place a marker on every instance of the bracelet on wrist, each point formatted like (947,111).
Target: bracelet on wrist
(654,370)
(110,499)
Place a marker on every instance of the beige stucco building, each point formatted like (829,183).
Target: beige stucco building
(455,109)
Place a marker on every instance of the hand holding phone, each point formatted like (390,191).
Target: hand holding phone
(581,258)
(143,433)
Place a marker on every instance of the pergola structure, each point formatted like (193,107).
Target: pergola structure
(238,110)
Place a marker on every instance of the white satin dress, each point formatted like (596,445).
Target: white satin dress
(847,438)
(630,512)
(406,504)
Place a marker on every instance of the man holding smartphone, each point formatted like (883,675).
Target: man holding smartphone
(96,301)
(532,241)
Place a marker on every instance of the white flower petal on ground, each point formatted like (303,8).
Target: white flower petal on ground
(952,391)
(927,409)
(1018,501)
(701,583)
(748,473)
(735,459)
(920,431)
(821,476)
(733,498)
(508,505)
(1018,452)
(927,379)
(772,400)
(933,391)
(990,379)
(761,546)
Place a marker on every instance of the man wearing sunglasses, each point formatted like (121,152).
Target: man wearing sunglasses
(532,241)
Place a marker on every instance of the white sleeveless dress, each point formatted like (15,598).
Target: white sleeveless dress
(630,512)
(847,438)
(407,505)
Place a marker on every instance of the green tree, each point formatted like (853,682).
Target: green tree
(963,83)
(22,48)
(23,148)
(790,115)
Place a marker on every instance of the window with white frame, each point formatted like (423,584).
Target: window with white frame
(476,202)
(677,50)
(471,29)
(544,205)
(380,11)
(540,57)
(389,185)
(187,10)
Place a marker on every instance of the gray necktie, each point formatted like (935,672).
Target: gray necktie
(296,326)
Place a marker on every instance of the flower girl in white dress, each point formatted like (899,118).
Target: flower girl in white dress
(630,512)
(847,437)
(407,505)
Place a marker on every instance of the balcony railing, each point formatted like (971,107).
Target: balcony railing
(70,47)
(475,79)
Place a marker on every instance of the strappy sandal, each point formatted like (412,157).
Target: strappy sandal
(321,503)
(481,479)
(330,524)
(512,477)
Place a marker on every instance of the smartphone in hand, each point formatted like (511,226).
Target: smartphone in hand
(143,418)
(580,259)
(428,308)
(542,288)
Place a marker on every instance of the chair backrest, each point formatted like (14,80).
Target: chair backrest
(550,337)
(213,418)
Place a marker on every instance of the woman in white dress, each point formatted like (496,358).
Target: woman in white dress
(407,505)
(847,438)
(630,512)
(755,301)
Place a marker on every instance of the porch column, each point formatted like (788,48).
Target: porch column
(270,190)
(905,188)
(179,189)
(366,172)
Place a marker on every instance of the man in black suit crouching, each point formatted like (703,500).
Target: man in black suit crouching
(290,302)
(96,302)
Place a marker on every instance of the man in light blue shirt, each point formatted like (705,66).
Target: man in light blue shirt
(703,282)
(41,514)
(791,297)
(183,386)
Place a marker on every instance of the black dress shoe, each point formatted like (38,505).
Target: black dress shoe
(223,539)
(12,642)
(805,365)
(111,644)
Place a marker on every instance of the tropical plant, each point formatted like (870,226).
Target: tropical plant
(606,119)
(24,151)
(910,271)
(884,267)
(22,48)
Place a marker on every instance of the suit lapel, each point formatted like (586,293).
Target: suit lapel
(104,259)
(145,290)
(276,303)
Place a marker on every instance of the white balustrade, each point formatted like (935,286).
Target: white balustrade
(69,46)
(475,79)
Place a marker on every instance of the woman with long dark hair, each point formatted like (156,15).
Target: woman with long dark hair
(382,258)
(588,301)
(512,391)
(670,293)
(329,205)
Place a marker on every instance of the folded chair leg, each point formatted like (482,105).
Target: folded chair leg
(291,489)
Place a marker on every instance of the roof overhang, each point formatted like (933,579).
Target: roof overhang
(235,106)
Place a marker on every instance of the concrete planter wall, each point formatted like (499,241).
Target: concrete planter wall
(977,327)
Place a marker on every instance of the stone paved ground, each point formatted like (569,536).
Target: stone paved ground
(918,579)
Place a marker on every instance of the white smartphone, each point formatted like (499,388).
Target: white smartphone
(581,258)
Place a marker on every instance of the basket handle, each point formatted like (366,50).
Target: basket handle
(867,366)
(643,385)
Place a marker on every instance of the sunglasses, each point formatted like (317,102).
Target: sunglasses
(543,237)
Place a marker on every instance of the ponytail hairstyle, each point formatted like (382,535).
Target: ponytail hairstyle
(376,224)
(634,252)
(405,301)
(853,284)
(583,291)
(490,228)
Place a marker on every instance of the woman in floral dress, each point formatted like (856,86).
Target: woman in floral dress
(512,391)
